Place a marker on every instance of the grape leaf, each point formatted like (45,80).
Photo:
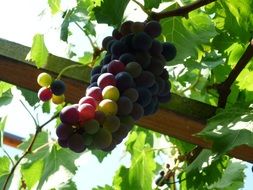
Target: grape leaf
(30,96)
(5,165)
(182,146)
(46,107)
(110,11)
(70,185)
(230,128)
(6,98)
(232,178)
(106,187)
(149,4)
(58,157)
(38,52)
(4,87)
(188,35)
(2,125)
(120,180)
(55,6)
(31,173)
(100,155)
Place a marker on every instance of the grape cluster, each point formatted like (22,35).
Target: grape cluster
(129,83)
(51,89)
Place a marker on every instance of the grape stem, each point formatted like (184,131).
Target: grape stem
(67,68)
(28,150)
(181,11)
(224,88)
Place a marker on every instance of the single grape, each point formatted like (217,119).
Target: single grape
(111,146)
(96,70)
(124,81)
(156,66)
(76,143)
(111,92)
(115,67)
(58,87)
(89,100)
(95,92)
(45,94)
(86,112)
(137,111)
(153,28)
(169,51)
(106,79)
(64,131)
(94,78)
(106,60)
(91,126)
(145,96)
(165,75)
(70,115)
(154,89)
(44,79)
(144,59)
(100,116)
(104,69)
(88,139)
(109,107)
(141,41)
(102,139)
(132,94)
(125,106)
(126,58)
(126,28)
(106,41)
(134,69)
(118,48)
(111,123)
(94,84)
(58,99)
(116,34)
(166,89)
(137,27)
(164,98)
(150,108)
(63,143)
(145,79)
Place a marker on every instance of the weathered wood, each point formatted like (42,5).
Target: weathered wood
(182,119)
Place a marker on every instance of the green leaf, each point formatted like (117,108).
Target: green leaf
(100,155)
(4,87)
(46,107)
(149,4)
(31,173)
(182,146)
(58,157)
(55,6)
(86,58)
(121,179)
(232,179)
(106,187)
(70,185)
(110,12)
(6,98)
(2,126)
(5,166)
(38,52)
(188,35)
(30,96)
(230,128)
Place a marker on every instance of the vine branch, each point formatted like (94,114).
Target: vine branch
(28,151)
(181,11)
(224,88)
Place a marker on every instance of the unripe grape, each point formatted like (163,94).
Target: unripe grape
(44,79)
(111,92)
(58,99)
(109,107)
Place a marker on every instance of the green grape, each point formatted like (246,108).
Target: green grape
(109,107)
(110,92)
(102,139)
(112,123)
(44,79)
(91,126)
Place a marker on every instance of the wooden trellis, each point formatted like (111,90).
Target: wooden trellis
(181,119)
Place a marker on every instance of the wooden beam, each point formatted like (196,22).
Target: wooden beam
(182,119)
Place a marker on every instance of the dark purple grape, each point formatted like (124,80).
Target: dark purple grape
(94,78)
(143,58)
(169,51)
(145,79)
(96,70)
(153,28)
(106,79)
(156,48)
(104,69)
(116,34)
(126,58)
(109,45)
(115,67)
(118,48)
(151,107)
(125,106)
(76,143)
(126,27)
(132,94)
(165,75)
(70,115)
(137,111)
(166,89)
(124,81)
(127,40)
(165,97)
(156,66)
(94,84)
(138,27)
(161,84)
(141,41)
(64,131)
(154,89)
(58,87)
(63,143)
(107,59)
(145,96)
(100,116)
(106,41)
